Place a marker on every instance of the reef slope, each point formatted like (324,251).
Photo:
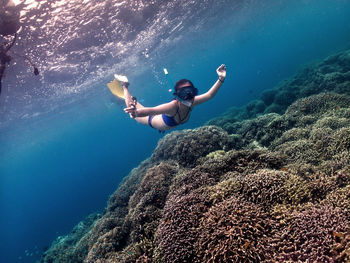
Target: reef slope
(269,182)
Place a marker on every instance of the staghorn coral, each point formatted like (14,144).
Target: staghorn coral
(317,105)
(243,162)
(127,187)
(233,231)
(307,236)
(231,185)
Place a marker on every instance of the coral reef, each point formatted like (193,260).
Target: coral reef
(233,231)
(186,147)
(268,182)
(72,247)
(329,75)
(177,232)
(309,235)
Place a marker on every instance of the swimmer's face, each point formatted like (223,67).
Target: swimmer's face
(186,84)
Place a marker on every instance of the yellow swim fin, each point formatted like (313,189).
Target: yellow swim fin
(116,88)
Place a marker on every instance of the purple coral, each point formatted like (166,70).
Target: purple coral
(233,231)
(177,234)
(308,236)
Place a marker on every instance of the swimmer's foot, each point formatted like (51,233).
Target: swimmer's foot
(123,80)
(124,84)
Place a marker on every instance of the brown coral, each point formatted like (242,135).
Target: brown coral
(177,233)
(308,236)
(233,231)
(186,147)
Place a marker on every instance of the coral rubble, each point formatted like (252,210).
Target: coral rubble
(266,183)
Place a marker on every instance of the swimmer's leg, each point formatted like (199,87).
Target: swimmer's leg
(129,101)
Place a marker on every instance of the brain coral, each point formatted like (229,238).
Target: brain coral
(308,237)
(233,231)
(186,147)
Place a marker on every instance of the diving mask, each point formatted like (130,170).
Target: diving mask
(186,94)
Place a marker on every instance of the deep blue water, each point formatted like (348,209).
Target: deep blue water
(64,150)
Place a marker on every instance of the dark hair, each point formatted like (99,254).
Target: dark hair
(180,83)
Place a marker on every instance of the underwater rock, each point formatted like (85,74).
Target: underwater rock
(268,96)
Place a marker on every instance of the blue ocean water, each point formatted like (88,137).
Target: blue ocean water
(65,143)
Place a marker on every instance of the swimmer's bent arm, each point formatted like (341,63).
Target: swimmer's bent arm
(166,108)
(221,71)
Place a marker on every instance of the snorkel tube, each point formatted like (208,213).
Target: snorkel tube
(168,78)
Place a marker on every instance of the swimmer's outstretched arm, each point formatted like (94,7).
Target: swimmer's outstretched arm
(166,108)
(221,71)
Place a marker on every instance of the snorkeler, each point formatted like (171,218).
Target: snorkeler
(169,115)
(5,58)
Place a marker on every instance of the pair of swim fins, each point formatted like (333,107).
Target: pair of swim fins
(116,86)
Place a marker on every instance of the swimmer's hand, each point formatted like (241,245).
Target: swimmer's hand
(221,72)
(131,111)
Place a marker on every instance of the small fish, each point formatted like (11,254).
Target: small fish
(337,234)
(246,245)
(167,221)
(284,169)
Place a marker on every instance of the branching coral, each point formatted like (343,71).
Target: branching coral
(177,232)
(146,204)
(233,231)
(265,187)
(339,198)
(308,236)
(296,190)
(186,147)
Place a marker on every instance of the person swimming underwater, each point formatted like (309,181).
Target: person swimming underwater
(172,114)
